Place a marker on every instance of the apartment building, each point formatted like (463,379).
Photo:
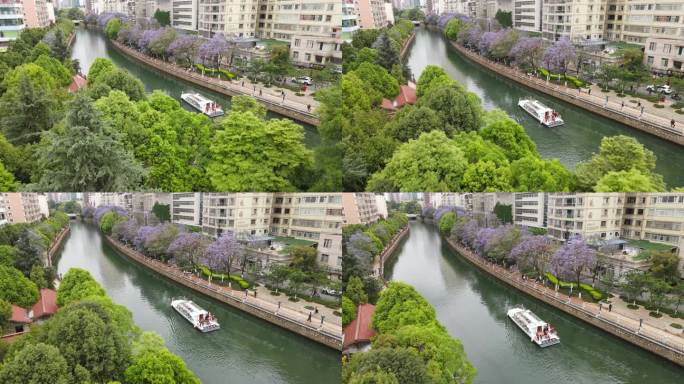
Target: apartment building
(315,217)
(371,14)
(245,214)
(637,21)
(593,216)
(350,20)
(529,209)
(527,15)
(581,21)
(664,54)
(184,14)
(3,210)
(360,208)
(481,204)
(186,208)
(23,207)
(11,21)
(35,13)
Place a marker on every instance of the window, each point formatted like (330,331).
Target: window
(652,46)
(324,258)
(327,243)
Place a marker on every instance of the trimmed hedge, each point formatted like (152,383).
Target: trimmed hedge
(593,292)
(572,80)
(244,284)
(214,72)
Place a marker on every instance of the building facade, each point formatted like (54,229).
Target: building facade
(184,14)
(23,207)
(581,21)
(186,208)
(529,209)
(527,15)
(36,13)
(360,208)
(12,21)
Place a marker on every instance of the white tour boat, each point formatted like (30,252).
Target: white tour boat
(541,112)
(202,104)
(540,332)
(200,318)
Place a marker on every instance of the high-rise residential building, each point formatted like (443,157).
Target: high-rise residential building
(12,21)
(23,207)
(233,18)
(3,210)
(527,15)
(664,54)
(371,14)
(482,204)
(635,22)
(381,204)
(350,20)
(184,14)
(529,209)
(593,216)
(245,214)
(35,13)
(360,208)
(186,208)
(581,21)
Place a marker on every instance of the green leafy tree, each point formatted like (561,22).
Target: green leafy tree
(37,276)
(355,291)
(459,109)
(658,290)
(388,53)
(8,255)
(278,275)
(77,284)
(7,181)
(163,17)
(410,122)
(453,28)
(159,367)
(296,279)
(31,246)
(250,154)
(504,212)
(432,162)
(242,103)
(58,71)
(112,28)
(403,364)
(625,181)
(378,78)
(446,222)
(348,311)
(99,68)
(532,174)
(16,288)
(664,266)
(634,284)
(6,314)
(504,18)
(304,258)
(36,364)
(486,176)
(122,80)
(162,211)
(401,305)
(109,220)
(511,137)
(82,156)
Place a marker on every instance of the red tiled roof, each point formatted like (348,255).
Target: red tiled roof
(407,95)
(78,83)
(19,315)
(359,330)
(47,305)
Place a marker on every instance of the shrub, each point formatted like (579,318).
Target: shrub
(632,306)
(656,105)
(657,315)
(299,94)
(676,325)
(552,279)
(679,111)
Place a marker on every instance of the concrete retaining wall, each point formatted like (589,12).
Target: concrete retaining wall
(407,45)
(309,332)
(185,76)
(388,252)
(552,90)
(612,328)
(57,244)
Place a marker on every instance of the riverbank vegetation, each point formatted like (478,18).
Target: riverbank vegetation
(411,346)
(24,267)
(224,260)
(571,267)
(447,141)
(90,340)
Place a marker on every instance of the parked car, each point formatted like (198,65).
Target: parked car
(330,291)
(660,88)
(306,80)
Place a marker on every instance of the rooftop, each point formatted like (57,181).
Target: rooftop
(359,330)
(46,305)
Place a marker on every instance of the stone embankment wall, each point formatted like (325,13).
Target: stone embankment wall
(407,45)
(388,252)
(284,110)
(57,244)
(622,332)
(308,331)
(554,90)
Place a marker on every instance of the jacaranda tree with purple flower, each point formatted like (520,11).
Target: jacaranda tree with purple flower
(214,49)
(533,253)
(442,210)
(185,49)
(188,249)
(154,241)
(558,56)
(101,210)
(572,258)
(221,254)
(528,52)
(465,231)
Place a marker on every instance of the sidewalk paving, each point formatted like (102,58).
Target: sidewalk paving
(265,294)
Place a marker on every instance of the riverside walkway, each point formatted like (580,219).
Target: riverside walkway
(320,328)
(644,332)
(652,120)
(292,105)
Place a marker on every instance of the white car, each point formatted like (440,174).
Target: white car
(306,80)
(331,292)
(661,88)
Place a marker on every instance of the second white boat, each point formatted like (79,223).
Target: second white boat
(539,331)
(202,104)
(541,112)
(198,317)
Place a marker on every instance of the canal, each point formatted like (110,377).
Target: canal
(472,305)
(244,350)
(91,44)
(573,142)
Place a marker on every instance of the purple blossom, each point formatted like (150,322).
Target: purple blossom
(443,210)
(428,212)
(145,233)
(528,51)
(213,50)
(184,48)
(532,252)
(188,248)
(488,40)
(559,55)
(472,35)
(466,231)
(126,231)
(572,258)
(482,239)
(220,254)
(149,36)
(103,209)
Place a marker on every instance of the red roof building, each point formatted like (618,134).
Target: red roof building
(78,83)
(20,315)
(407,95)
(358,334)
(46,305)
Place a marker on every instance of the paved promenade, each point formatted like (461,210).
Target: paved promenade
(324,323)
(652,334)
(272,98)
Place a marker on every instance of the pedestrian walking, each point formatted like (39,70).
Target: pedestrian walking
(639,104)
(672,123)
(622,105)
(260,92)
(589,92)
(255,88)
(243,83)
(641,323)
(308,107)
(610,307)
(316,310)
(309,319)
(322,318)
(642,111)
(283,97)
(255,292)
(279,305)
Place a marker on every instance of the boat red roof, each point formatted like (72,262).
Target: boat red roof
(46,305)
(77,83)
(20,315)
(407,95)
(360,330)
